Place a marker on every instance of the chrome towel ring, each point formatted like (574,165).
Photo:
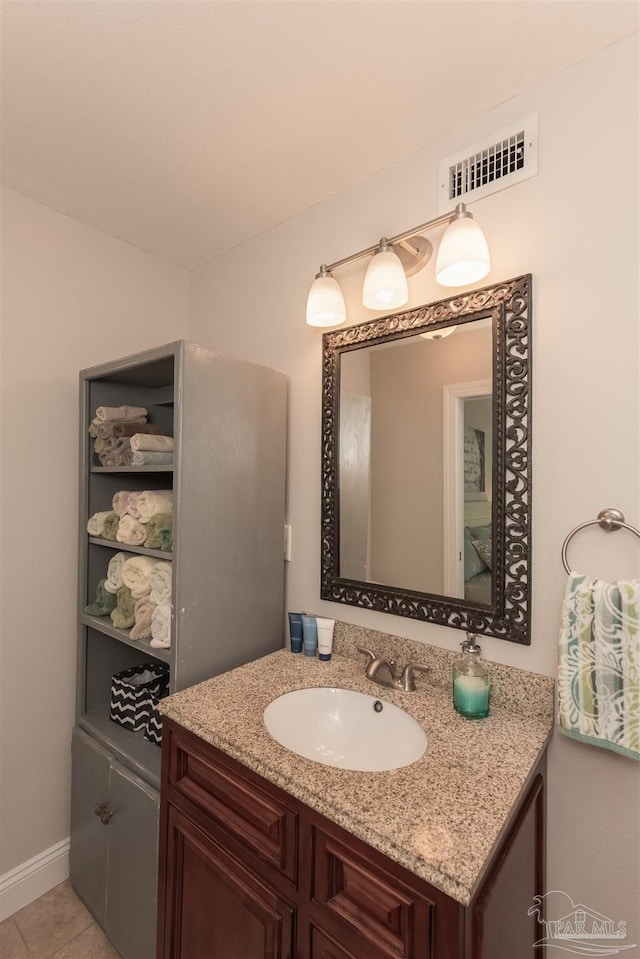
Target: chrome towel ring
(609,519)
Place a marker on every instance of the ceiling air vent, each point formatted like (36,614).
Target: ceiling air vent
(499,161)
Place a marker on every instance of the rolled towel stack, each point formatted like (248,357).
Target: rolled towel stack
(122,616)
(160,532)
(151,591)
(114,427)
(136,575)
(95,524)
(151,443)
(161,626)
(131,531)
(142,614)
(113,582)
(160,579)
(150,458)
(104,603)
(121,502)
(152,502)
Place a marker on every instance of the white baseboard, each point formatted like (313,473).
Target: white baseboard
(32,879)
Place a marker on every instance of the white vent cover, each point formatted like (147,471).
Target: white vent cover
(499,161)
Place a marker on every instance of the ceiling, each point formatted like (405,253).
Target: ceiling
(186,127)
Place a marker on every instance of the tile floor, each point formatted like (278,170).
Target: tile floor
(55,926)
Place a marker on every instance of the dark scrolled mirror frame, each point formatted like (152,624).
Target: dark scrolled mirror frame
(507,617)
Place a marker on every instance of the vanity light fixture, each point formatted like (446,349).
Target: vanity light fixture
(463,258)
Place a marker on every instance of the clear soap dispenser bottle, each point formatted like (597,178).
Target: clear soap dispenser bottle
(471,681)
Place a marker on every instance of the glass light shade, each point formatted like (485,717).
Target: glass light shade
(325,303)
(385,284)
(463,255)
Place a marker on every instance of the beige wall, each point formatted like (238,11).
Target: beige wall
(72,297)
(575,227)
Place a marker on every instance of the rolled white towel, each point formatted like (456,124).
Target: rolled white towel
(95,525)
(160,583)
(105,413)
(120,504)
(131,531)
(113,582)
(136,575)
(151,441)
(161,626)
(152,501)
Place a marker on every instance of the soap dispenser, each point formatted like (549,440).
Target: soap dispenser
(471,681)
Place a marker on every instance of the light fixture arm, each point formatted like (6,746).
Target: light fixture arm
(460,211)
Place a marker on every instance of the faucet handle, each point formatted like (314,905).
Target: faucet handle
(408,679)
(367,652)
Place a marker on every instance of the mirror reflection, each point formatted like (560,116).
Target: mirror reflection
(415,455)
(426,467)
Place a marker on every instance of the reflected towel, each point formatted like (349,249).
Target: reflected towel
(95,524)
(131,531)
(599,664)
(159,532)
(151,458)
(152,502)
(122,616)
(142,614)
(104,413)
(161,626)
(136,575)
(146,441)
(104,602)
(161,583)
(113,581)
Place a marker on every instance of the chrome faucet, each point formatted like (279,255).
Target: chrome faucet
(388,673)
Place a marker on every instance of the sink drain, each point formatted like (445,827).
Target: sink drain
(377,706)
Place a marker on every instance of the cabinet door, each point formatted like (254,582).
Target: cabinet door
(132,876)
(216,909)
(89,837)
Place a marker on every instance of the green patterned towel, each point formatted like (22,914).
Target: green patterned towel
(599,664)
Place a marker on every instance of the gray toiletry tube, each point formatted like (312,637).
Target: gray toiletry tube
(309,635)
(325,637)
(295,632)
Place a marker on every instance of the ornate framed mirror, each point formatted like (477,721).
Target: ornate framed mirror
(426,466)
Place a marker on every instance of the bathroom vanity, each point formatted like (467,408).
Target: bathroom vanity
(266,854)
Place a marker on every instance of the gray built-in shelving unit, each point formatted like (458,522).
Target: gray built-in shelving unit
(228,419)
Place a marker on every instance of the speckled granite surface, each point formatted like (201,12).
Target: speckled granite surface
(439,817)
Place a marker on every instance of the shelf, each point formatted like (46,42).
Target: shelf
(132,748)
(127,548)
(102,624)
(131,469)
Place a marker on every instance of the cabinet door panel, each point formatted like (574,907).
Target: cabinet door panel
(89,838)
(215,908)
(358,893)
(266,827)
(133,865)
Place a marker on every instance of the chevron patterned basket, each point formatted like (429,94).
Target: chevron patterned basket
(133,692)
(153,728)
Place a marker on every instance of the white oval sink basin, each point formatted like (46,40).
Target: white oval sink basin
(339,727)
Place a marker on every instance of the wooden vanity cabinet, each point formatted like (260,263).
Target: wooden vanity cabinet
(249,872)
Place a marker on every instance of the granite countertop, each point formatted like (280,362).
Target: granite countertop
(441,816)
